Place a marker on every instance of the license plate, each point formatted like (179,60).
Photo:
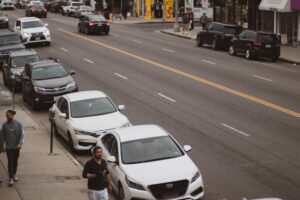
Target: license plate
(37,38)
(99,24)
(268,46)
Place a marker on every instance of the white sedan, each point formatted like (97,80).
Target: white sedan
(81,117)
(146,162)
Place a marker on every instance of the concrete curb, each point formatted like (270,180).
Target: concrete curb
(180,36)
(144,22)
(289,61)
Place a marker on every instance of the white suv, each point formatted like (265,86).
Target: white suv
(81,117)
(146,162)
(33,30)
(70,8)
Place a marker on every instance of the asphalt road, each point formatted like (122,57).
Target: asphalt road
(241,117)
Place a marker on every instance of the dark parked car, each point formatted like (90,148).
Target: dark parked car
(36,11)
(3,20)
(47,3)
(45,79)
(56,6)
(9,41)
(93,24)
(14,64)
(218,35)
(256,44)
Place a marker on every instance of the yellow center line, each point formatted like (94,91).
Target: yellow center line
(187,75)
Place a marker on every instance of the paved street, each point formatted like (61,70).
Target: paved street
(241,117)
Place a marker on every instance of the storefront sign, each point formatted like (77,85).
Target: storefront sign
(295,4)
(168,8)
(148,13)
(284,39)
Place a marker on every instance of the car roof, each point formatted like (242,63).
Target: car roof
(140,132)
(29,19)
(22,52)
(84,95)
(45,62)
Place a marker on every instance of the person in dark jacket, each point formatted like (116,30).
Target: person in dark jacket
(11,142)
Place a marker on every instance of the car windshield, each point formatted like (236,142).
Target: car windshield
(149,150)
(9,39)
(22,60)
(92,107)
(267,37)
(38,7)
(97,18)
(32,24)
(49,72)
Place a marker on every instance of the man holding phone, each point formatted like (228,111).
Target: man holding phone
(99,182)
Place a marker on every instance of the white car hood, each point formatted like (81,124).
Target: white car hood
(163,171)
(101,122)
(34,30)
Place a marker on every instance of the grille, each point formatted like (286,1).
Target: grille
(169,190)
(35,35)
(55,89)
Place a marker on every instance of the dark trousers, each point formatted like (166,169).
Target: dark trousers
(12,159)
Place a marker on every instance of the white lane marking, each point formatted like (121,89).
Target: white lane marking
(263,78)
(235,130)
(88,60)
(114,35)
(137,41)
(166,97)
(66,50)
(209,62)
(121,76)
(268,65)
(168,50)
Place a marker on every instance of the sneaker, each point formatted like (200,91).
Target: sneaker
(11,182)
(15,178)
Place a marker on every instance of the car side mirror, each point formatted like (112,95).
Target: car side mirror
(111,159)
(187,148)
(63,115)
(72,73)
(121,107)
(46,24)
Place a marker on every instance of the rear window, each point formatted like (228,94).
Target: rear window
(267,37)
(97,18)
(231,29)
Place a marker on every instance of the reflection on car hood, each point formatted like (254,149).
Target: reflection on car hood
(53,83)
(100,122)
(11,47)
(161,171)
(35,30)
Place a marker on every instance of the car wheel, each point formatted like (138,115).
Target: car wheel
(86,31)
(71,143)
(48,44)
(248,54)
(4,80)
(121,195)
(214,44)
(232,51)
(34,105)
(63,13)
(68,13)
(45,16)
(106,32)
(274,59)
(199,42)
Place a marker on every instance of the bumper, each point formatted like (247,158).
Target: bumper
(30,40)
(195,191)
(270,53)
(48,98)
(84,142)
(38,14)
(98,29)
(7,7)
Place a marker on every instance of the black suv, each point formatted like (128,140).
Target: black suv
(218,35)
(14,64)
(256,44)
(9,41)
(56,6)
(44,80)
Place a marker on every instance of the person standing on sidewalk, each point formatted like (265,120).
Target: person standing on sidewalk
(95,170)
(13,138)
(185,23)
(203,21)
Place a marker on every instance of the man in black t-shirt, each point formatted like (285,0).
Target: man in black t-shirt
(95,170)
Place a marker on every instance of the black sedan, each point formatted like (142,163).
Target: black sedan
(93,24)
(3,20)
(36,11)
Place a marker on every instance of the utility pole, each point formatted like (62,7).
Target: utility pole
(176,27)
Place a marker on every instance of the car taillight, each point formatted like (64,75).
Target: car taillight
(92,24)
(33,10)
(256,43)
(45,10)
(107,23)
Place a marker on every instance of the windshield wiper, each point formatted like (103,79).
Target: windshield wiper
(157,159)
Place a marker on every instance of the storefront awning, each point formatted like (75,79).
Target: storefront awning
(276,5)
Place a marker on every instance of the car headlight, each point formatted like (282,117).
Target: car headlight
(70,85)
(6,19)
(39,89)
(47,32)
(196,176)
(82,132)
(127,124)
(25,34)
(133,184)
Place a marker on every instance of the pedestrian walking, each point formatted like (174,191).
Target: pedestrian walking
(12,141)
(203,20)
(99,182)
(191,18)
(185,23)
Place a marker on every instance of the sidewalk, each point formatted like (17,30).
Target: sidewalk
(288,54)
(41,177)
(140,20)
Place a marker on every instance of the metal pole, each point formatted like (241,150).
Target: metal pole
(176,27)
(13,90)
(51,138)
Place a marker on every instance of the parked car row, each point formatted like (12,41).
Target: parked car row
(251,44)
